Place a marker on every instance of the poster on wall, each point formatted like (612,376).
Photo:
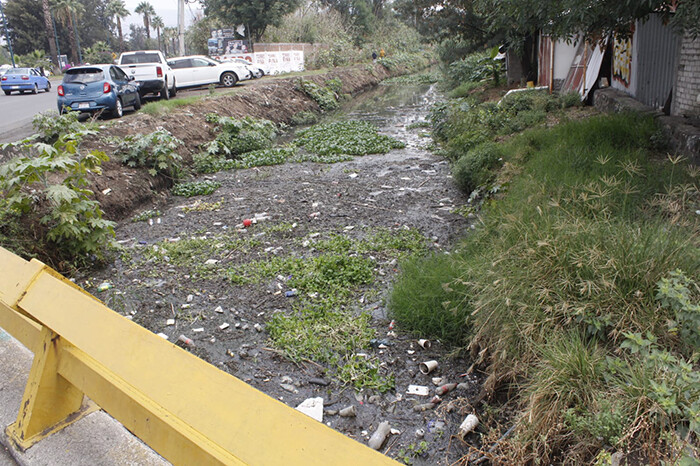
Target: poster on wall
(622,60)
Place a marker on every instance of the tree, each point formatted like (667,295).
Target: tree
(157,23)
(117,9)
(255,15)
(146,10)
(67,12)
(137,37)
(50,32)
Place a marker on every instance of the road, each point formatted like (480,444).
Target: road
(17,111)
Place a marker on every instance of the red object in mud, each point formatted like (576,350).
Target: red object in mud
(247,222)
(391,325)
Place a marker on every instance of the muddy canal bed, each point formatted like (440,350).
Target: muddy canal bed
(188,270)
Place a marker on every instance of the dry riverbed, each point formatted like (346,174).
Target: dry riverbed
(250,295)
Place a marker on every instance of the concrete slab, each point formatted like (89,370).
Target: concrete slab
(96,440)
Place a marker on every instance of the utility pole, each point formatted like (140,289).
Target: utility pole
(181,25)
(7,35)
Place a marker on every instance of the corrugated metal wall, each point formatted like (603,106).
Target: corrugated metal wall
(657,51)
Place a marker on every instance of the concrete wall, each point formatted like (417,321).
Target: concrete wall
(564,55)
(686,93)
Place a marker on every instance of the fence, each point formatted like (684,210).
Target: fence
(184,408)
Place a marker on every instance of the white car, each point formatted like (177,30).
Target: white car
(198,70)
(255,70)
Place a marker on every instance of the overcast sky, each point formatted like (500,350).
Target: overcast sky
(166,9)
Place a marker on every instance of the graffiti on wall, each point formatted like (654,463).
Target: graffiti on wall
(622,60)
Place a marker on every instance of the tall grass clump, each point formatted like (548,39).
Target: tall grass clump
(581,290)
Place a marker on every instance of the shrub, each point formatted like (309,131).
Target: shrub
(571,99)
(464,89)
(50,184)
(236,136)
(325,97)
(475,168)
(154,151)
(50,126)
(304,118)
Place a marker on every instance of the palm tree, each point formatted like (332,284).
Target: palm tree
(157,23)
(117,9)
(67,12)
(146,10)
(50,32)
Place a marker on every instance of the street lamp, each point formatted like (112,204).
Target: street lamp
(7,35)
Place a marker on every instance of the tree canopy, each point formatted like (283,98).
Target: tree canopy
(256,16)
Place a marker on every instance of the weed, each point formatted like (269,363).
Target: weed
(235,136)
(155,151)
(201,206)
(325,97)
(420,78)
(465,89)
(304,118)
(346,137)
(162,107)
(477,167)
(145,215)
(50,126)
(195,188)
(50,184)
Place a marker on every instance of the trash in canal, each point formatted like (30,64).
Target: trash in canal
(423,407)
(445,388)
(419,390)
(185,340)
(428,366)
(379,436)
(348,412)
(104,286)
(468,425)
(312,407)
(425,344)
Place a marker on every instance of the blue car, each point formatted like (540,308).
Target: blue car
(22,80)
(97,88)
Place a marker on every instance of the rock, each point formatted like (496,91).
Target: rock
(287,379)
(288,387)
(312,407)
(258,328)
(318,381)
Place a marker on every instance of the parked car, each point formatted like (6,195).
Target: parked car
(98,88)
(151,71)
(254,69)
(22,80)
(198,70)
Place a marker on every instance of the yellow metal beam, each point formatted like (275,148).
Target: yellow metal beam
(186,409)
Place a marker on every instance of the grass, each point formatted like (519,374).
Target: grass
(562,279)
(161,107)
(195,188)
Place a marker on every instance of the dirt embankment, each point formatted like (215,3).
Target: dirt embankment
(277,100)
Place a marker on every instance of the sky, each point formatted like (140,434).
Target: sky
(166,9)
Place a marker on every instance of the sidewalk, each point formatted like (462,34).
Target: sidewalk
(95,440)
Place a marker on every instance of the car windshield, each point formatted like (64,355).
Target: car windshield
(17,71)
(83,75)
(140,58)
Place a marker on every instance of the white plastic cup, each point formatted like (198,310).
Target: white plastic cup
(428,366)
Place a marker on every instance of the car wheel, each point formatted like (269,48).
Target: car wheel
(229,79)
(48,86)
(8,92)
(21,92)
(173,91)
(36,89)
(118,111)
(137,102)
(165,92)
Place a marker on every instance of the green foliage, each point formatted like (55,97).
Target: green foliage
(675,294)
(346,137)
(405,62)
(325,97)
(571,99)
(477,167)
(236,136)
(476,67)
(427,299)
(50,126)
(419,78)
(145,215)
(49,184)
(34,59)
(195,188)
(464,89)
(567,291)
(154,151)
(304,118)
(162,107)
(256,16)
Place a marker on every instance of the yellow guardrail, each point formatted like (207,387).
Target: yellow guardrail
(184,408)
